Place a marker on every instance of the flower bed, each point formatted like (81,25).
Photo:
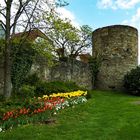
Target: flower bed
(67,94)
(41,108)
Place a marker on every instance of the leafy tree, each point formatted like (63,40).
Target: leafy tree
(14,14)
(85,39)
(44,52)
(68,40)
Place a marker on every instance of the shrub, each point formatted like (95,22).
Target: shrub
(89,95)
(132,81)
(55,87)
(27,91)
(32,79)
(47,88)
(41,88)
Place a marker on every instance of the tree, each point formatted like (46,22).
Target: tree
(68,40)
(44,54)
(85,42)
(18,14)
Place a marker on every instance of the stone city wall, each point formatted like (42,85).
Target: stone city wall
(72,70)
(117,46)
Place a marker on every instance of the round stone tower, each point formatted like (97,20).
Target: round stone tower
(117,46)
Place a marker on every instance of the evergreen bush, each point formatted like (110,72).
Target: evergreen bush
(132,81)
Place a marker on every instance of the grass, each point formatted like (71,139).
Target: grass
(106,116)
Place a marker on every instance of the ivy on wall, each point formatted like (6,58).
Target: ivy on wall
(23,54)
(94,65)
(22,58)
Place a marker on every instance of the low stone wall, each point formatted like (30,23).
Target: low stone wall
(72,70)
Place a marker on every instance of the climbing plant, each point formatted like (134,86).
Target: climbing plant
(22,58)
(94,65)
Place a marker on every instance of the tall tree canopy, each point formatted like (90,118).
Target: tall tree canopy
(20,14)
(68,40)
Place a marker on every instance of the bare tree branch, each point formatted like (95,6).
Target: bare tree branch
(18,14)
(3,24)
(1,12)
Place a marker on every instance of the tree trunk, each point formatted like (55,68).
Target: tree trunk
(7,62)
(7,73)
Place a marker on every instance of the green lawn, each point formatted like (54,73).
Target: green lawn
(106,116)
